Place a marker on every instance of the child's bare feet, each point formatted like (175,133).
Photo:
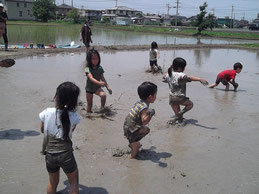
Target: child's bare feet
(134,149)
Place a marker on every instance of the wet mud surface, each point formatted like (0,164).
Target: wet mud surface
(213,151)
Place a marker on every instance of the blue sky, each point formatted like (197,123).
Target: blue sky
(221,8)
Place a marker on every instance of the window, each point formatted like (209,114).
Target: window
(121,11)
(18,4)
(25,4)
(29,12)
(20,13)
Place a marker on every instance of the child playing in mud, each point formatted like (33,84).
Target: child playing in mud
(228,76)
(153,55)
(57,124)
(139,116)
(177,80)
(95,80)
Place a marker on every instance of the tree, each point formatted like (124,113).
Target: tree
(43,10)
(211,21)
(74,15)
(202,21)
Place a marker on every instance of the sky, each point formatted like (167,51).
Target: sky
(221,8)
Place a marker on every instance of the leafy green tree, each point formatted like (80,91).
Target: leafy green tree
(211,21)
(43,10)
(200,21)
(74,16)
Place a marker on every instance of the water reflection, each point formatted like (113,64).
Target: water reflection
(20,34)
(201,55)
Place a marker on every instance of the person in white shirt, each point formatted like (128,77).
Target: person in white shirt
(57,124)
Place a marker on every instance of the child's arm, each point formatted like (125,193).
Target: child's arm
(203,81)
(146,116)
(92,79)
(107,86)
(42,127)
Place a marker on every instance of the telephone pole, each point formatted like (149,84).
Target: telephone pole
(116,3)
(177,6)
(232,11)
(168,8)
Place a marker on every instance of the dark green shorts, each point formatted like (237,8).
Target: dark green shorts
(65,160)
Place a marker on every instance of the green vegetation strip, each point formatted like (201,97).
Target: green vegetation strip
(253,45)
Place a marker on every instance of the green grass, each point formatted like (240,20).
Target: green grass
(187,32)
(252,45)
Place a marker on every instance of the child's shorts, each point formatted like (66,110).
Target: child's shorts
(177,100)
(134,137)
(222,80)
(153,63)
(65,160)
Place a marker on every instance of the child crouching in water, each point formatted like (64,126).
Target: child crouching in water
(177,80)
(139,116)
(95,80)
(57,124)
(228,76)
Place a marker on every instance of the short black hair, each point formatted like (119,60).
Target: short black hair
(238,66)
(154,45)
(89,57)
(146,89)
(178,62)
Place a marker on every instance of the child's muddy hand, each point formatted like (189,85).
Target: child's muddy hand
(109,90)
(102,84)
(204,82)
(151,112)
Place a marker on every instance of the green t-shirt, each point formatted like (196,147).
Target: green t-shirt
(97,74)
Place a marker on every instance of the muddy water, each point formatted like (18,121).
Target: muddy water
(20,34)
(214,152)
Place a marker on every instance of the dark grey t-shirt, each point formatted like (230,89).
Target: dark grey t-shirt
(97,74)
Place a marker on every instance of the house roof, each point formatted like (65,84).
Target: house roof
(65,6)
(151,17)
(25,1)
(122,8)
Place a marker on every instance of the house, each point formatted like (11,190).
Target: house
(124,21)
(62,10)
(123,11)
(228,22)
(18,9)
(121,15)
(151,20)
(91,14)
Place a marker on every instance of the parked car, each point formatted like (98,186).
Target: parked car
(254,26)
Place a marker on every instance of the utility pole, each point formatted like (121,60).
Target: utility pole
(116,3)
(72,3)
(232,11)
(168,8)
(177,6)
(213,11)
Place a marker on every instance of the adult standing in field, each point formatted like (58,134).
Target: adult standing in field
(86,34)
(3,30)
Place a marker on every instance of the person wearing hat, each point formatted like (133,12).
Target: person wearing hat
(3,30)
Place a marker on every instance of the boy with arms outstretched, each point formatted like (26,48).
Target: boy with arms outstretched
(139,116)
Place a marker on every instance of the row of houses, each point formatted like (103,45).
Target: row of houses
(120,15)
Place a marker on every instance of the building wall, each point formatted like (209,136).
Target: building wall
(19,10)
